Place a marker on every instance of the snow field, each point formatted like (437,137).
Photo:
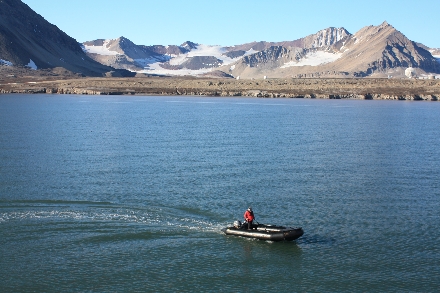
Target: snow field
(314,59)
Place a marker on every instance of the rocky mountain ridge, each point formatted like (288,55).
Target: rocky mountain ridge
(122,53)
(373,51)
(200,59)
(27,39)
(376,51)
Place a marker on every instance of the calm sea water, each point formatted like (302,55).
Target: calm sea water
(129,194)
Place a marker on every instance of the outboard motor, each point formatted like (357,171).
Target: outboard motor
(237,224)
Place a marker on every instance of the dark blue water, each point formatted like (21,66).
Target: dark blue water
(129,193)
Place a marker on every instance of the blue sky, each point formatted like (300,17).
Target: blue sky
(233,22)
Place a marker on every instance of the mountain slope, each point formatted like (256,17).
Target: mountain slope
(192,58)
(324,38)
(380,48)
(122,53)
(27,39)
(373,50)
(333,52)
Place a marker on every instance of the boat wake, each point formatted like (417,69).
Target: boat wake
(157,218)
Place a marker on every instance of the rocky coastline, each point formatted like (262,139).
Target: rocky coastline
(338,88)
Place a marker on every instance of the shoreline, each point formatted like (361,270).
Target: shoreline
(349,88)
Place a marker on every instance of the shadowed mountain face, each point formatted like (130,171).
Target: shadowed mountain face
(27,39)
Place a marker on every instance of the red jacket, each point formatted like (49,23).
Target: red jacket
(249,216)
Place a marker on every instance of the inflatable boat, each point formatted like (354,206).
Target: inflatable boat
(264,232)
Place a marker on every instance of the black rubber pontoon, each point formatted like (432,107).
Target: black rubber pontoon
(265,232)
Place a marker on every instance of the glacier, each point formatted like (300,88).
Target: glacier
(200,50)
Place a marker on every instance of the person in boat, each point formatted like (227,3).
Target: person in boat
(249,218)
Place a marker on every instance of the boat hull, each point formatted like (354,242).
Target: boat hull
(266,232)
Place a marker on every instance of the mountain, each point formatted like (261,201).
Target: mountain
(372,51)
(333,52)
(383,48)
(187,58)
(191,58)
(27,39)
(323,38)
(122,53)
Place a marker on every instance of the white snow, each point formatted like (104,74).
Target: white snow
(205,50)
(201,50)
(344,49)
(152,65)
(147,61)
(250,52)
(357,40)
(156,69)
(4,62)
(32,65)
(101,50)
(314,59)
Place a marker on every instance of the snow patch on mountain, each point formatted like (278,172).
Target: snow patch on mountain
(101,50)
(314,59)
(4,62)
(155,68)
(146,62)
(200,50)
(206,50)
(32,65)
